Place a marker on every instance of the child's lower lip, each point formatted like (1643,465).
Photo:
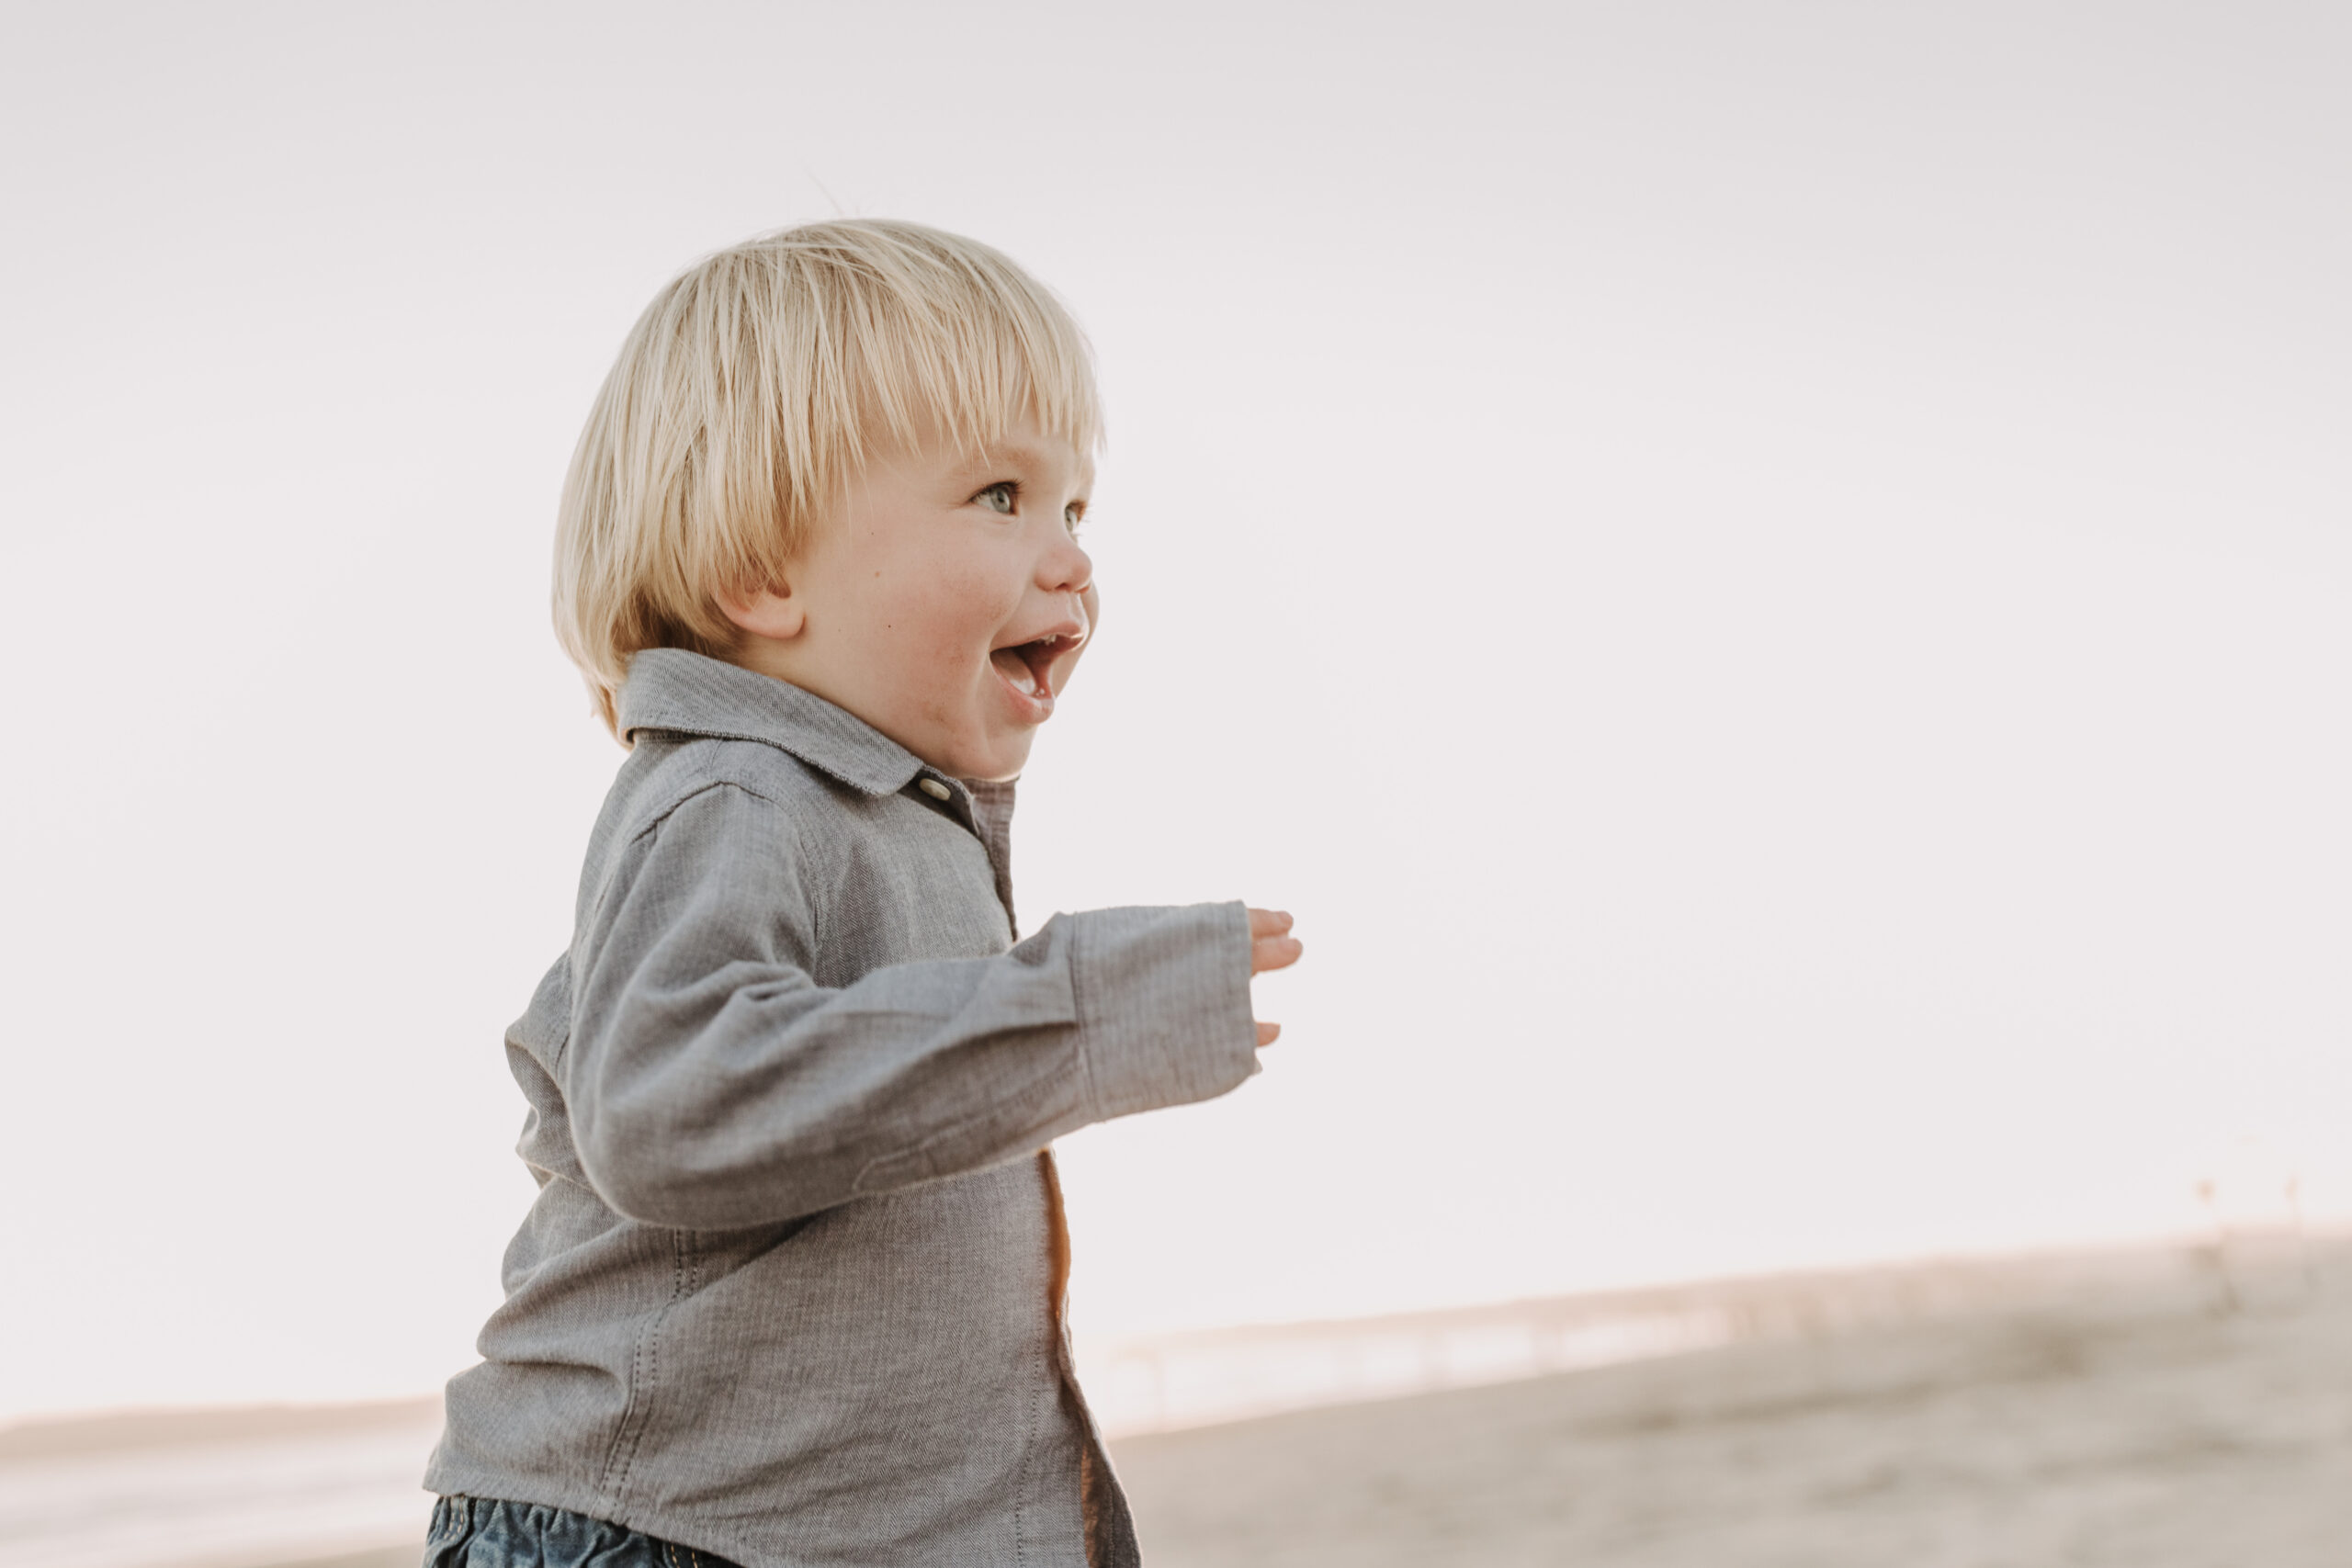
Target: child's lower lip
(1036,709)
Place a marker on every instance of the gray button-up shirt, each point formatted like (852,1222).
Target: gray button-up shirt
(791,1288)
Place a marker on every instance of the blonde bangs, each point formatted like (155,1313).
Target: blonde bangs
(752,391)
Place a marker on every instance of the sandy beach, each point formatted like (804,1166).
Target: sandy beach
(2150,1409)
(2148,1428)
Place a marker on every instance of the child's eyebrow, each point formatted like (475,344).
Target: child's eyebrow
(1024,455)
(1020,453)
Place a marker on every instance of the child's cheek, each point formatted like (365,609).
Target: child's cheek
(972,604)
(955,623)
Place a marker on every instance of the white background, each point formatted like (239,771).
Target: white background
(1769,582)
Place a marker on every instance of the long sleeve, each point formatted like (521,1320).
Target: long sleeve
(712,1083)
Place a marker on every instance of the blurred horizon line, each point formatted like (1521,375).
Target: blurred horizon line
(1710,1309)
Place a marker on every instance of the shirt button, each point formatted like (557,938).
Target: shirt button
(937,790)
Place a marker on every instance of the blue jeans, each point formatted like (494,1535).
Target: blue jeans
(482,1532)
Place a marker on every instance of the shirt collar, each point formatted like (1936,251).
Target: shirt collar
(671,689)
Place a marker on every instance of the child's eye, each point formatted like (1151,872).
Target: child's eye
(1000,497)
(1074,513)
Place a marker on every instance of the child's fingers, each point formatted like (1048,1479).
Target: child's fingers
(1274,952)
(1271,947)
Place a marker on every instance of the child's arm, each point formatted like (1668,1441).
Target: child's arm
(712,1083)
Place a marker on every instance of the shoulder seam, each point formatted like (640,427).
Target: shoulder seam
(703,786)
(703,782)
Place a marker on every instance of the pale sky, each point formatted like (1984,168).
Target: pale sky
(1770,582)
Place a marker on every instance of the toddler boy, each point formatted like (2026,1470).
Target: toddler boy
(791,1292)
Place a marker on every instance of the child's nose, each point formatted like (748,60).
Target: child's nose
(1066,569)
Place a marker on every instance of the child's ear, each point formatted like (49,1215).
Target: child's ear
(774,612)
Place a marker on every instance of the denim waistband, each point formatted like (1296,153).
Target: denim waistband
(486,1532)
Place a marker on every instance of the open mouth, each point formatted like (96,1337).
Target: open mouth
(1028,667)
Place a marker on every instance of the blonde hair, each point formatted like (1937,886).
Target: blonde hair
(751,392)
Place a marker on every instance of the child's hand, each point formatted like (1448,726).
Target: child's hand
(1271,947)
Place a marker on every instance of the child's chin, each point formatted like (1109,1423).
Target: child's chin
(1002,757)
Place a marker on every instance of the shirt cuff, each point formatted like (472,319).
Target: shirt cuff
(1163,1004)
